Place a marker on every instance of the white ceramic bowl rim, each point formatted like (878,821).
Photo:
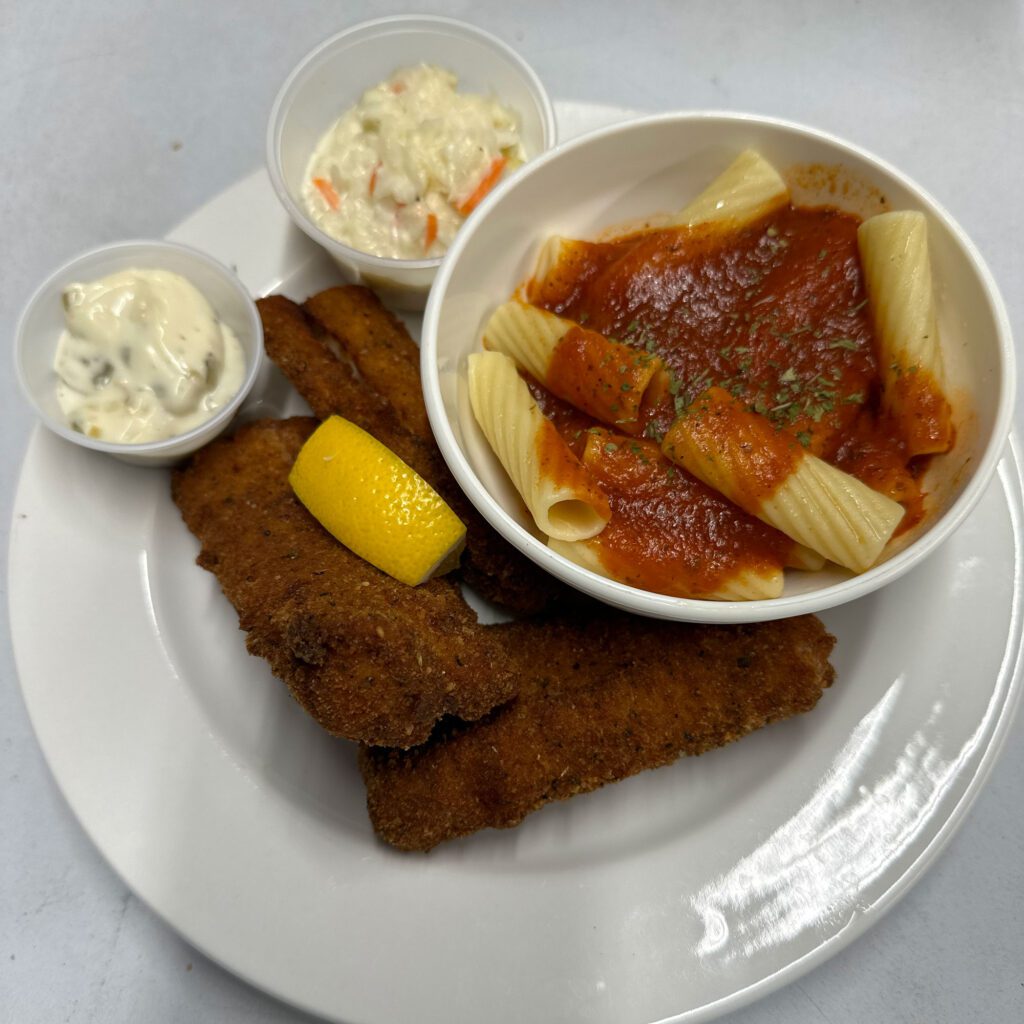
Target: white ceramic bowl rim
(689,609)
(409,21)
(224,414)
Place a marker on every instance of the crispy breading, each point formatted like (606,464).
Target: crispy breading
(594,698)
(598,701)
(369,658)
(299,346)
(379,345)
(329,385)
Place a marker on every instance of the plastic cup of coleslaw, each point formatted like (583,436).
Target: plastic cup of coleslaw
(333,77)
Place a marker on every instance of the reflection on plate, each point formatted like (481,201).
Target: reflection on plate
(682,892)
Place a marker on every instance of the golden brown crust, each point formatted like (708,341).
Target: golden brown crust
(598,701)
(328,384)
(369,658)
(305,353)
(599,697)
(379,345)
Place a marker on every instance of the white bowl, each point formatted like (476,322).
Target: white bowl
(331,79)
(41,324)
(632,170)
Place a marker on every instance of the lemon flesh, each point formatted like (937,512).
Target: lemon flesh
(375,504)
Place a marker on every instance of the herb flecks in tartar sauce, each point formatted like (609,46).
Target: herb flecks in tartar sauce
(143,357)
(400,171)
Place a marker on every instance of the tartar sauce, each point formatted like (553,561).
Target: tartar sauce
(400,171)
(143,357)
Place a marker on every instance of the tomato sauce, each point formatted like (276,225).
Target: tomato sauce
(562,467)
(746,457)
(600,377)
(668,533)
(926,419)
(775,315)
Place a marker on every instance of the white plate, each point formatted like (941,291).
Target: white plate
(678,894)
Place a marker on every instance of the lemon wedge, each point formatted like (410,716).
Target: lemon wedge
(375,504)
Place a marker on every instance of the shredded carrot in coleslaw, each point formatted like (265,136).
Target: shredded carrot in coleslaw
(327,190)
(490,179)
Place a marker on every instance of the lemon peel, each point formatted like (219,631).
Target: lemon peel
(376,505)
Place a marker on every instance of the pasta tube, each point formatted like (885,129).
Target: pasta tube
(682,539)
(771,476)
(898,277)
(559,492)
(599,376)
(748,584)
(552,252)
(748,189)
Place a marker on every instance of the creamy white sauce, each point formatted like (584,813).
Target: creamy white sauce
(144,357)
(394,175)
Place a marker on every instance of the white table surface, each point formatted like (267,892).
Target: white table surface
(118,118)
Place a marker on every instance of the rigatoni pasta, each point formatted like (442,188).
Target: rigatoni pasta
(784,366)
(657,512)
(562,498)
(527,335)
(747,584)
(898,277)
(771,476)
(748,189)
(601,376)
(551,256)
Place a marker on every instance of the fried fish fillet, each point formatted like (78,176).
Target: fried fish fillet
(598,701)
(379,345)
(305,352)
(371,659)
(299,348)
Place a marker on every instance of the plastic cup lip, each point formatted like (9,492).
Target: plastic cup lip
(179,443)
(279,110)
(690,609)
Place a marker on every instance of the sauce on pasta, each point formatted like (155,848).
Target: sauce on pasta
(771,318)
(926,412)
(725,430)
(668,532)
(601,377)
(562,468)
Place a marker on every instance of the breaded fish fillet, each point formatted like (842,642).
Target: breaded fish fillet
(379,345)
(304,352)
(371,659)
(598,701)
(299,348)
